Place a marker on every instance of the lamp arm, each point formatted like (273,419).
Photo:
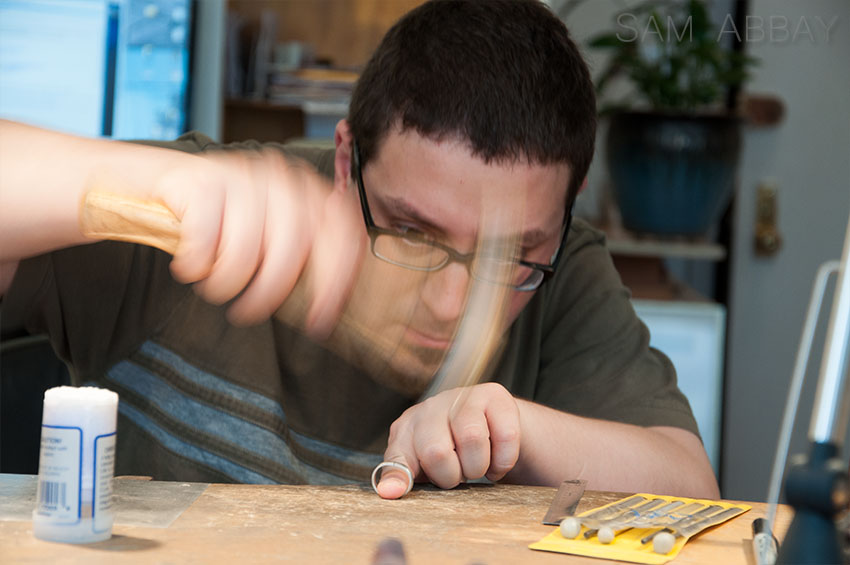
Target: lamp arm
(799,375)
(829,418)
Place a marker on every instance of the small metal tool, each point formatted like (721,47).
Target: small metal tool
(565,502)
(648,505)
(697,525)
(614,508)
(645,520)
(708,510)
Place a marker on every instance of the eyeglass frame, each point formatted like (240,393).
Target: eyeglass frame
(454,256)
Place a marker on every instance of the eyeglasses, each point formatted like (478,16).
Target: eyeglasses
(418,252)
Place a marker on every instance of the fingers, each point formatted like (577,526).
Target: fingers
(200,219)
(308,228)
(285,248)
(393,482)
(502,414)
(471,437)
(334,262)
(397,479)
(448,445)
(436,452)
(486,432)
(252,225)
(242,229)
(218,202)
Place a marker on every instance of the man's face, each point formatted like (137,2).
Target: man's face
(440,190)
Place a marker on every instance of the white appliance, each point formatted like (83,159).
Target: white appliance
(692,335)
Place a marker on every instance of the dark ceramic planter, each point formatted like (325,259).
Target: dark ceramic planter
(672,174)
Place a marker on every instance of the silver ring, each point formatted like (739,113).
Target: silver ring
(394,465)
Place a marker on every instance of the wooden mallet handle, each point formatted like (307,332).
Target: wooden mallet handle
(106,215)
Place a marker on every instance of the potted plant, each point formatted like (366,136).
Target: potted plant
(672,157)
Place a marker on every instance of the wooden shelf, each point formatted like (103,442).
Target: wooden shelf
(648,278)
(667,249)
(341,33)
(626,243)
(640,260)
(259,104)
(257,119)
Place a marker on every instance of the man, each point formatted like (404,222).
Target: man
(463,104)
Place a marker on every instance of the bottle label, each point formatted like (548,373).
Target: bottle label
(59,474)
(104,468)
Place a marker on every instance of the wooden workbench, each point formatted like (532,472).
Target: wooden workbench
(237,524)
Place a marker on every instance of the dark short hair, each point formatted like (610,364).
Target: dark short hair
(502,74)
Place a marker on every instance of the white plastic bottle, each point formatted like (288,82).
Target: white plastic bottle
(76,465)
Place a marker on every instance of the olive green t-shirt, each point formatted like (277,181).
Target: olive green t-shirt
(202,400)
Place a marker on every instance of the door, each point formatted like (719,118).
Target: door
(804,48)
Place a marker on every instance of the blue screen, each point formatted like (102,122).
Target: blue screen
(112,68)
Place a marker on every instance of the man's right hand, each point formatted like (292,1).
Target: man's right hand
(252,224)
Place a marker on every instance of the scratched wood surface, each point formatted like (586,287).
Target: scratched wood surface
(300,524)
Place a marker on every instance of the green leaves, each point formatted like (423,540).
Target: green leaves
(673,54)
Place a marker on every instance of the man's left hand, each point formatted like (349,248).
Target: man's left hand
(456,435)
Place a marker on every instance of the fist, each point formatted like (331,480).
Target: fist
(456,435)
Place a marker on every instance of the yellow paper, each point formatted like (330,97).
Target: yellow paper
(626,545)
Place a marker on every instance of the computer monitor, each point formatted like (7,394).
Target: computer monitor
(111,68)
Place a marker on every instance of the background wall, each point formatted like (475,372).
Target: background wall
(809,156)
